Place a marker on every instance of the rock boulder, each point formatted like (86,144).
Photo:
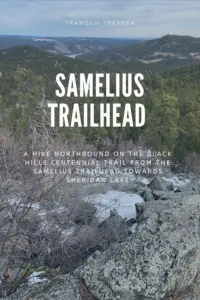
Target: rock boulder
(160,260)
(75,249)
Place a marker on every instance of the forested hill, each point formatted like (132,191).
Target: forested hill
(172,101)
(188,74)
(175,119)
(63,45)
(43,62)
(166,47)
(158,54)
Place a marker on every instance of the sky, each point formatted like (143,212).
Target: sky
(95,18)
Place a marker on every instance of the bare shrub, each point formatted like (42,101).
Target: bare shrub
(43,221)
(31,225)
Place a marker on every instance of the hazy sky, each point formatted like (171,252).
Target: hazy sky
(151,18)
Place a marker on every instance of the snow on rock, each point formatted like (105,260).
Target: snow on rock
(140,179)
(123,203)
(176,181)
(35,278)
(144,180)
(14,201)
(35,206)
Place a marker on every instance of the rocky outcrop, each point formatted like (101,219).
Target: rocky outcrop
(75,249)
(158,184)
(159,261)
(160,189)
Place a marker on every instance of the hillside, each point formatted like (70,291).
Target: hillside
(28,74)
(157,55)
(189,73)
(43,63)
(68,46)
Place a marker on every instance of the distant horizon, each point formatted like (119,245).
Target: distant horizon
(78,37)
(93,37)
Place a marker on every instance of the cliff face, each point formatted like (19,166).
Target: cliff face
(161,260)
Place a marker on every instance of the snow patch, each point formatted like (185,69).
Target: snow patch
(176,181)
(35,206)
(140,179)
(35,278)
(67,232)
(123,203)
(144,180)
(14,201)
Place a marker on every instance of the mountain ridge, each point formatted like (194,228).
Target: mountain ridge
(63,45)
(156,53)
